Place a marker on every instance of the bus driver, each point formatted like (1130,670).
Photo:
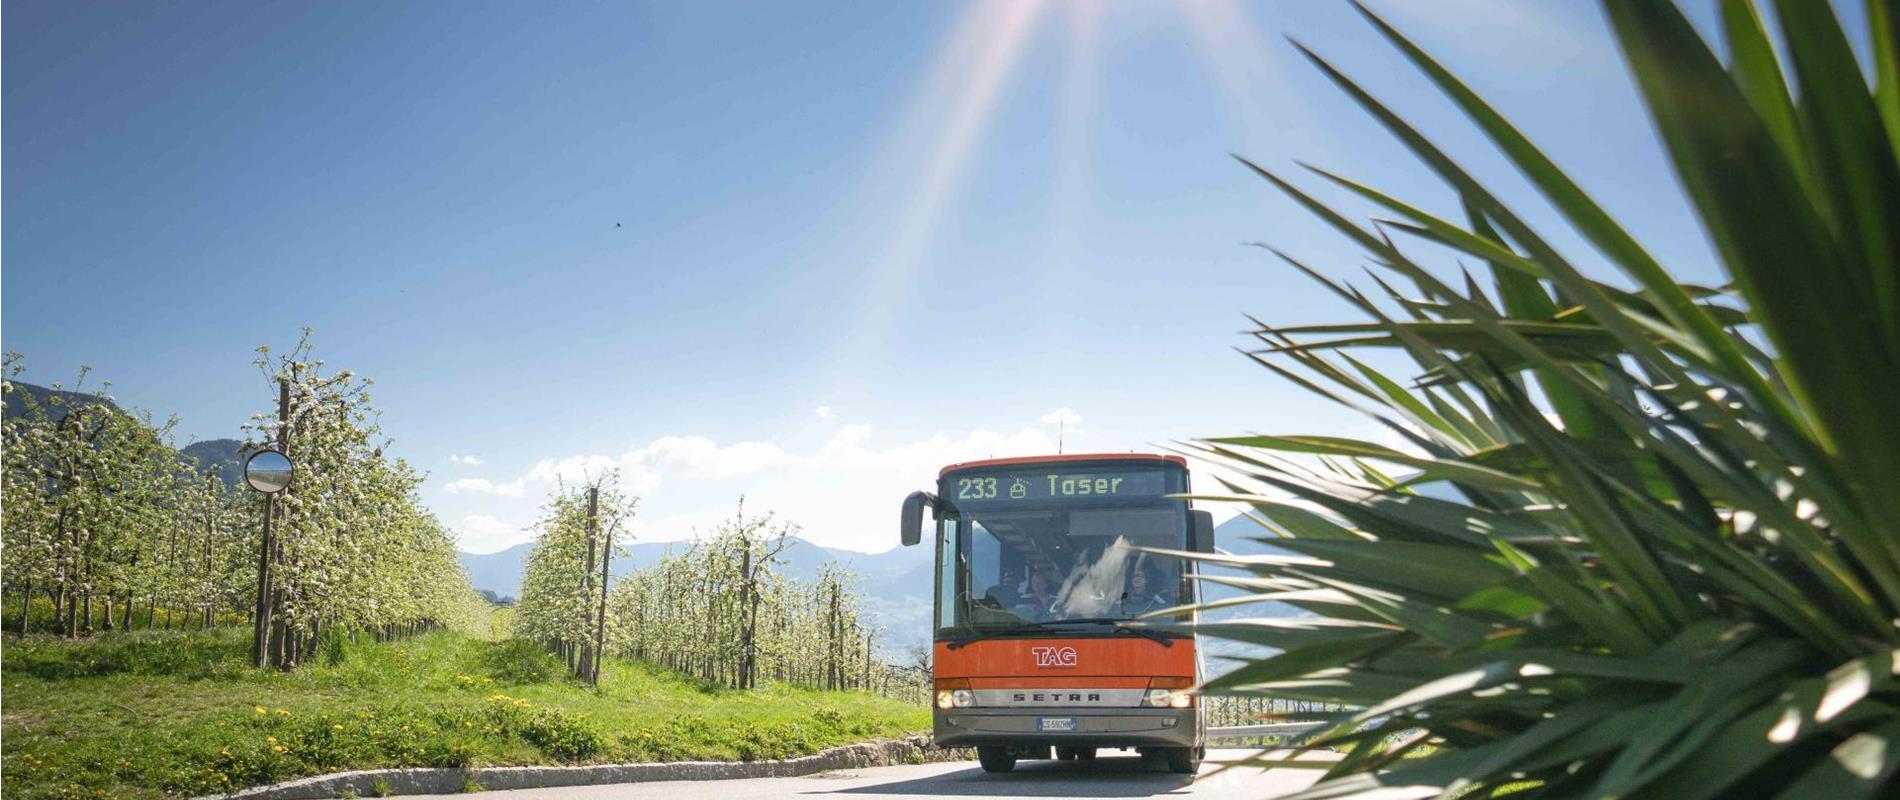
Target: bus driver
(1145,592)
(1040,604)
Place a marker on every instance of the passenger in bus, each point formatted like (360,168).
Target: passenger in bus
(1008,593)
(1145,591)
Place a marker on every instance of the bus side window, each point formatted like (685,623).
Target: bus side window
(986,557)
(947,573)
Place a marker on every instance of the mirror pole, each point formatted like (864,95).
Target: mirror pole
(260,636)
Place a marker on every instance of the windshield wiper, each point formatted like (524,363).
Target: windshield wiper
(965,640)
(1116,622)
(979,634)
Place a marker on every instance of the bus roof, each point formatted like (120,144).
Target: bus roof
(1063,459)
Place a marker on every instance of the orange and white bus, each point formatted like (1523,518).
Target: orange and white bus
(1039,581)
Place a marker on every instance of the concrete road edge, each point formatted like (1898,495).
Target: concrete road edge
(447,780)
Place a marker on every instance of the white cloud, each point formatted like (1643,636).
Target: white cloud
(849,449)
(480,533)
(513,488)
(472,461)
(842,491)
(1065,417)
(823,412)
(641,469)
(572,470)
(700,457)
(686,525)
(846,493)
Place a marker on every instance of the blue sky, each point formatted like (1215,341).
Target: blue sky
(805,253)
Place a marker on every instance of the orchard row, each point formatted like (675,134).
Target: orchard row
(108,526)
(721,609)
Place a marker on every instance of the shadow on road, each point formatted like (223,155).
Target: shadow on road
(1103,777)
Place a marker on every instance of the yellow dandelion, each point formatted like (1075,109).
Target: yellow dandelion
(271,739)
(260,709)
(278,748)
(332,727)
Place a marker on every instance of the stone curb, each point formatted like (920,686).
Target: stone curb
(424,780)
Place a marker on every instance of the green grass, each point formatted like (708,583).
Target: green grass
(43,620)
(171,714)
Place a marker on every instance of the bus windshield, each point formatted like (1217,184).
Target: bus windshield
(1020,563)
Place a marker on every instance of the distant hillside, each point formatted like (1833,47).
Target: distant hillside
(896,583)
(501,572)
(496,572)
(223,455)
(44,397)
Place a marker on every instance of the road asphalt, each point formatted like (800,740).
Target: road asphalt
(1114,774)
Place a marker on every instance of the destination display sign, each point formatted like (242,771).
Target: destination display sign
(1031,484)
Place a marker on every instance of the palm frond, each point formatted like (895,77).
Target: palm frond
(1638,543)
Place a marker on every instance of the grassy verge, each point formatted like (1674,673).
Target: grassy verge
(157,714)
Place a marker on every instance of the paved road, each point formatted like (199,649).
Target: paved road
(1108,776)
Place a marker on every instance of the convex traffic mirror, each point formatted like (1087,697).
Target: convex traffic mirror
(268,471)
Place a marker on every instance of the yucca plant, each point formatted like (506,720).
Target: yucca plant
(1642,543)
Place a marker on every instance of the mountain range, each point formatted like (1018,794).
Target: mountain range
(220,455)
(44,396)
(896,583)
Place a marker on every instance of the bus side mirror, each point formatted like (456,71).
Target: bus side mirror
(913,524)
(1203,531)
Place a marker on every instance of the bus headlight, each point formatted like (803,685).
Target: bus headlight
(1168,698)
(954,693)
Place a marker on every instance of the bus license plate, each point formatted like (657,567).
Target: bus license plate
(1055,724)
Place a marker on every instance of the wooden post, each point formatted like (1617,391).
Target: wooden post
(283,654)
(261,636)
(26,607)
(606,559)
(585,666)
(747,608)
(834,671)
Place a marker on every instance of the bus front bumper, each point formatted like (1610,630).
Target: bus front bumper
(1091,727)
